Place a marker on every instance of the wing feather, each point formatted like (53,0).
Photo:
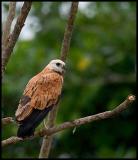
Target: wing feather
(42,91)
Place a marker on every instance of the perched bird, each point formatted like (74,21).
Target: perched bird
(40,95)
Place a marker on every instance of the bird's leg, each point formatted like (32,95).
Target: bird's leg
(45,124)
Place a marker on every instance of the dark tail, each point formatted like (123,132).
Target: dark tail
(27,126)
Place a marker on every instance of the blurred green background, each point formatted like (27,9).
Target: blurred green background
(100,75)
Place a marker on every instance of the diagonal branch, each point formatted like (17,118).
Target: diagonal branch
(7,24)
(78,122)
(6,52)
(104,115)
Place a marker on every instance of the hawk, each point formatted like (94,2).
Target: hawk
(40,95)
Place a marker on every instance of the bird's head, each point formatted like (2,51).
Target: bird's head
(57,65)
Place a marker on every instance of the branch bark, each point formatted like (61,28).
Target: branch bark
(13,37)
(104,115)
(11,140)
(7,24)
(47,140)
(78,122)
(68,31)
(7,120)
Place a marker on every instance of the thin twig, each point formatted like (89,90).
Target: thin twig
(12,39)
(7,120)
(66,125)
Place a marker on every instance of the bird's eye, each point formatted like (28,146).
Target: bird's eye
(58,64)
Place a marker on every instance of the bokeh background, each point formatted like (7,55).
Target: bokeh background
(100,75)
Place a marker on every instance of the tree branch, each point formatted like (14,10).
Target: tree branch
(88,119)
(68,31)
(7,24)
(100,116)
(11,140)
(7,120)
(6,52)
(47,140)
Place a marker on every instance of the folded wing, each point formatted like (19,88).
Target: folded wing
(40,95)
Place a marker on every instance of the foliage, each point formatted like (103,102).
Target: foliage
(100,74)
